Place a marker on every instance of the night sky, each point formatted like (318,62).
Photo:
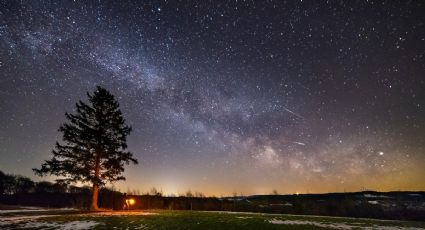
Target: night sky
(224,97)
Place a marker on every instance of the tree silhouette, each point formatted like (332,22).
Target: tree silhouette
(94,145)
(24,184)
(43,187)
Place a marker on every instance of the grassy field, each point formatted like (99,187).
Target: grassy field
(155,219)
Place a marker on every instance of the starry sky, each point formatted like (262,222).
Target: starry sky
(226,96)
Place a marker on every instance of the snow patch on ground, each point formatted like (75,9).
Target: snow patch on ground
(18,219)
(244,217)
(72,225)
(317,224)
(341,225)
(142,226)
(32,223)
(30,220)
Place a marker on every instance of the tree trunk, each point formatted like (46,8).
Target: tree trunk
(95,190)
(94,197)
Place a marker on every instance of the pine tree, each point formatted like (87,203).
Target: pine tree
(94,145)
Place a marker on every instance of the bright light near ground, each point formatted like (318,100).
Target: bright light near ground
(131,201)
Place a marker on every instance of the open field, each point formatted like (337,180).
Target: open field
(26,218)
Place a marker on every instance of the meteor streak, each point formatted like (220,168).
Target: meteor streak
(296,142)
(293,113)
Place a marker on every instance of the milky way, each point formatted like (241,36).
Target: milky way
(224,97)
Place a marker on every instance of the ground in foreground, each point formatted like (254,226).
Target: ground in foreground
(73,219)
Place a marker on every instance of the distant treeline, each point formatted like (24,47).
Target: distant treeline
(15,184)
(390,205)
(18,190)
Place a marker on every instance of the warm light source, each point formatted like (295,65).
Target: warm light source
(131,201)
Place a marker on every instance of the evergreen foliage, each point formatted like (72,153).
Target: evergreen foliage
(94,144)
